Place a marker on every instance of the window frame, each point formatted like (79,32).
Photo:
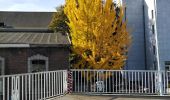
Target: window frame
(37,57)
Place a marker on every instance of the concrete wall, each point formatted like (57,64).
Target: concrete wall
(16,58)
(163,27)
(135,18)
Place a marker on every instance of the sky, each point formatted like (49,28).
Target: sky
(30,5)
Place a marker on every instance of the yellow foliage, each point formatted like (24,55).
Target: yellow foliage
(98,33)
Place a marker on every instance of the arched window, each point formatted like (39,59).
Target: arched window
(2,66)
(37,63)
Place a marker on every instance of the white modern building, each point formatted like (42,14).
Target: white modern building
(148,20)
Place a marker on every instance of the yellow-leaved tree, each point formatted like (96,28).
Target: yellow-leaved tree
(98,33)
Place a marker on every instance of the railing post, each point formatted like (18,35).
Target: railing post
(3,80)
(65,82)
(160,84)
(69,79)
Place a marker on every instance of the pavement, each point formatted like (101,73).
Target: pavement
(90,97)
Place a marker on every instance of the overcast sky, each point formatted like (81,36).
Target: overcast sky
(30,5)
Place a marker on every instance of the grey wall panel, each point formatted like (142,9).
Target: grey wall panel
(163,27)
(134,15)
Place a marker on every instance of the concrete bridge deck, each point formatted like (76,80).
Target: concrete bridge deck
(87,97)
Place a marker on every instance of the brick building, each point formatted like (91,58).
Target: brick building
(26,44)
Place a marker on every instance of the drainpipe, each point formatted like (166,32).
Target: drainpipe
(157,53)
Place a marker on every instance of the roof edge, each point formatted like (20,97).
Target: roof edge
(25,30)
(5,11)
(32,45)
(14,45)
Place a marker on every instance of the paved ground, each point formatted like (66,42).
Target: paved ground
(87,97)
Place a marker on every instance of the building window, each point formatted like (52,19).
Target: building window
(153,29)
(154,50)
(154,65)
(152,14)
(37,63)
(167,65)
(2,66)
(125,13)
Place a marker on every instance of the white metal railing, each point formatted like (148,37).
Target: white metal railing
(166,82)
(33,86)
(43,85)
(120,82)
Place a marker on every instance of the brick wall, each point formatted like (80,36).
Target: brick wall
(16,58)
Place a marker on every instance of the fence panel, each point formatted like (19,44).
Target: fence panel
(33,86)
(115,81)
(166,82)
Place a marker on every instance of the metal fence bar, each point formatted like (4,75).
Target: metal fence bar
(138,82)
(84,81)
(52,84)
(126,83)
(152,82)
(164,78)
(32,92)
(49,79)
(47,84)
(25,87)
(44,90)
(55,84)
(167,82)
(3,88)
(41,89)
(36,87)
(29,80)
(61,79)
(59,75)
(22,84)
(94,89)
(7,88)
